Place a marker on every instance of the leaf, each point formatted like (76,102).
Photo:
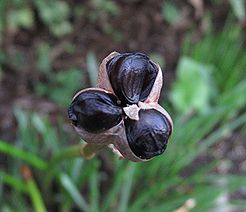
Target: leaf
(238,7)
(35,196)
(158,58)
(47,131)
(28,137)
(170,13)
(13,182)
(55,14)
(92,68)
(153,191)
(64,86)
(28,157)
(126,188)
(73,192)
(115,187)
(43,58)
(193,89)
(21,17)
(94,188)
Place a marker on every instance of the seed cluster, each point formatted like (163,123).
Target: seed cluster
(123,110)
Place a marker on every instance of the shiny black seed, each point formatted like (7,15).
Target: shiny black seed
(132,76)
(95,111)
(148,136)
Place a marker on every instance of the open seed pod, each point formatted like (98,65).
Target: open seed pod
(132,77)
(123,110)
(145,132)
(95,113)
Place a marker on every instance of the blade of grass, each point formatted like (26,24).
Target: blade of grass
(226,107)
(94,188)
(13,182)
(35,196)
(168,205)
(27,135)
(114,188)
(210,140)
(73,192)
(17,201)
(47,131)
(86,151)
(213,138)
(203,196)
(222,131)
(92,68)
(238,7)
(126,187)
(33,190)
(233,181)
(200,174)
(76,169)
(158,188)
(241,204)
(28,157)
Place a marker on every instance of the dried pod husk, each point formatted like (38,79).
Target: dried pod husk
(105,138)
(94,111)
(131,76)
(147,137)
(103,79)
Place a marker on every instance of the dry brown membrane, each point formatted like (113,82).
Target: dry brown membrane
(123,111)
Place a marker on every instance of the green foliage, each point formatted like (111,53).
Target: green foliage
(43,58)
(30,158)
(158,58)
(103,7)
(61,86)
(127,186)
(19,15)
(73,192)
(224,52)
(193,88)
(116,35)
(170,13)
(55,14)
(238,7)
(92,67)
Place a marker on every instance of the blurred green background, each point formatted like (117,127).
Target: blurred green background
(51,49)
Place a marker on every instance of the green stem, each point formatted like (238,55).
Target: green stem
(86,151)
(33,190)
(35,196)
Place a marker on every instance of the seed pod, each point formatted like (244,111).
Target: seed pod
(94,111)
(146,137)
(141,135)
(123,111)
(132,77)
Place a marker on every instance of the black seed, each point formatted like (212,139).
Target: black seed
(132,76)
(95,111)
(148,136)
